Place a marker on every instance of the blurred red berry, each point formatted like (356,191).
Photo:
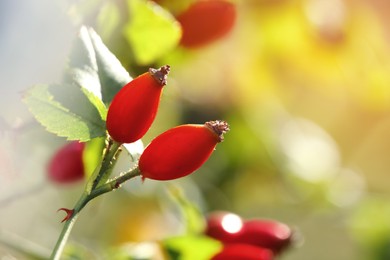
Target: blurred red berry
(206,21)
(230,228)
(180,150)
(135,106)
(266,233)
(243,252)
(66,166)
(223,226)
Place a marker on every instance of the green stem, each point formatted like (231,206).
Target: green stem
(63,238)
(96,181)
(115,183)
(85,198)
(110,156)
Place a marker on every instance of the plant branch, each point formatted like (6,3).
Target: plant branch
(115,183)
(103,171)
(63,238)
(95,191)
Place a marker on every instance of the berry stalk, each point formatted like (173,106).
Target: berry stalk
(100,176)
(73,214)
(102,173)
(70,220)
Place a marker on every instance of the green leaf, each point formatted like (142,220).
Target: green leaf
(75,108)
(92,155)
(92,66)
(66,111)
(151,31)
(97,102)
(191,247)
(112,75)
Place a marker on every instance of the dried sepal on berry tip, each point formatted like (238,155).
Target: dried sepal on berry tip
(219,127)
(161,74)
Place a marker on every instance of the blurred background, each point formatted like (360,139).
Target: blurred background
(304,85)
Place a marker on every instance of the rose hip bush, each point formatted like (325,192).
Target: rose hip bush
(98,99)
(173,154)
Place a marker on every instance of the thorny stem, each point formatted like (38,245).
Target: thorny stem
(95,187)
(63,238)
(115,183)
(110,156)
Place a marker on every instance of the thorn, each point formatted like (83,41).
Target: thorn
(69,213)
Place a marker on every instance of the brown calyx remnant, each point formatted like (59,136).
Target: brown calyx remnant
(219,127)
(161,74)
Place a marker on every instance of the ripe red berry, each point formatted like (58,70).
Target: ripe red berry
(134,107)
(243,252)
(66,166)
(266,233)
(181,150)
(223,226)
(206,21)
(230,228)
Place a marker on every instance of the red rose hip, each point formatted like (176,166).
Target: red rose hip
(223,226)
(266,233)
(66,166)
(180,150)
(135,106)
(206,21)
(243,252)
(229,228)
